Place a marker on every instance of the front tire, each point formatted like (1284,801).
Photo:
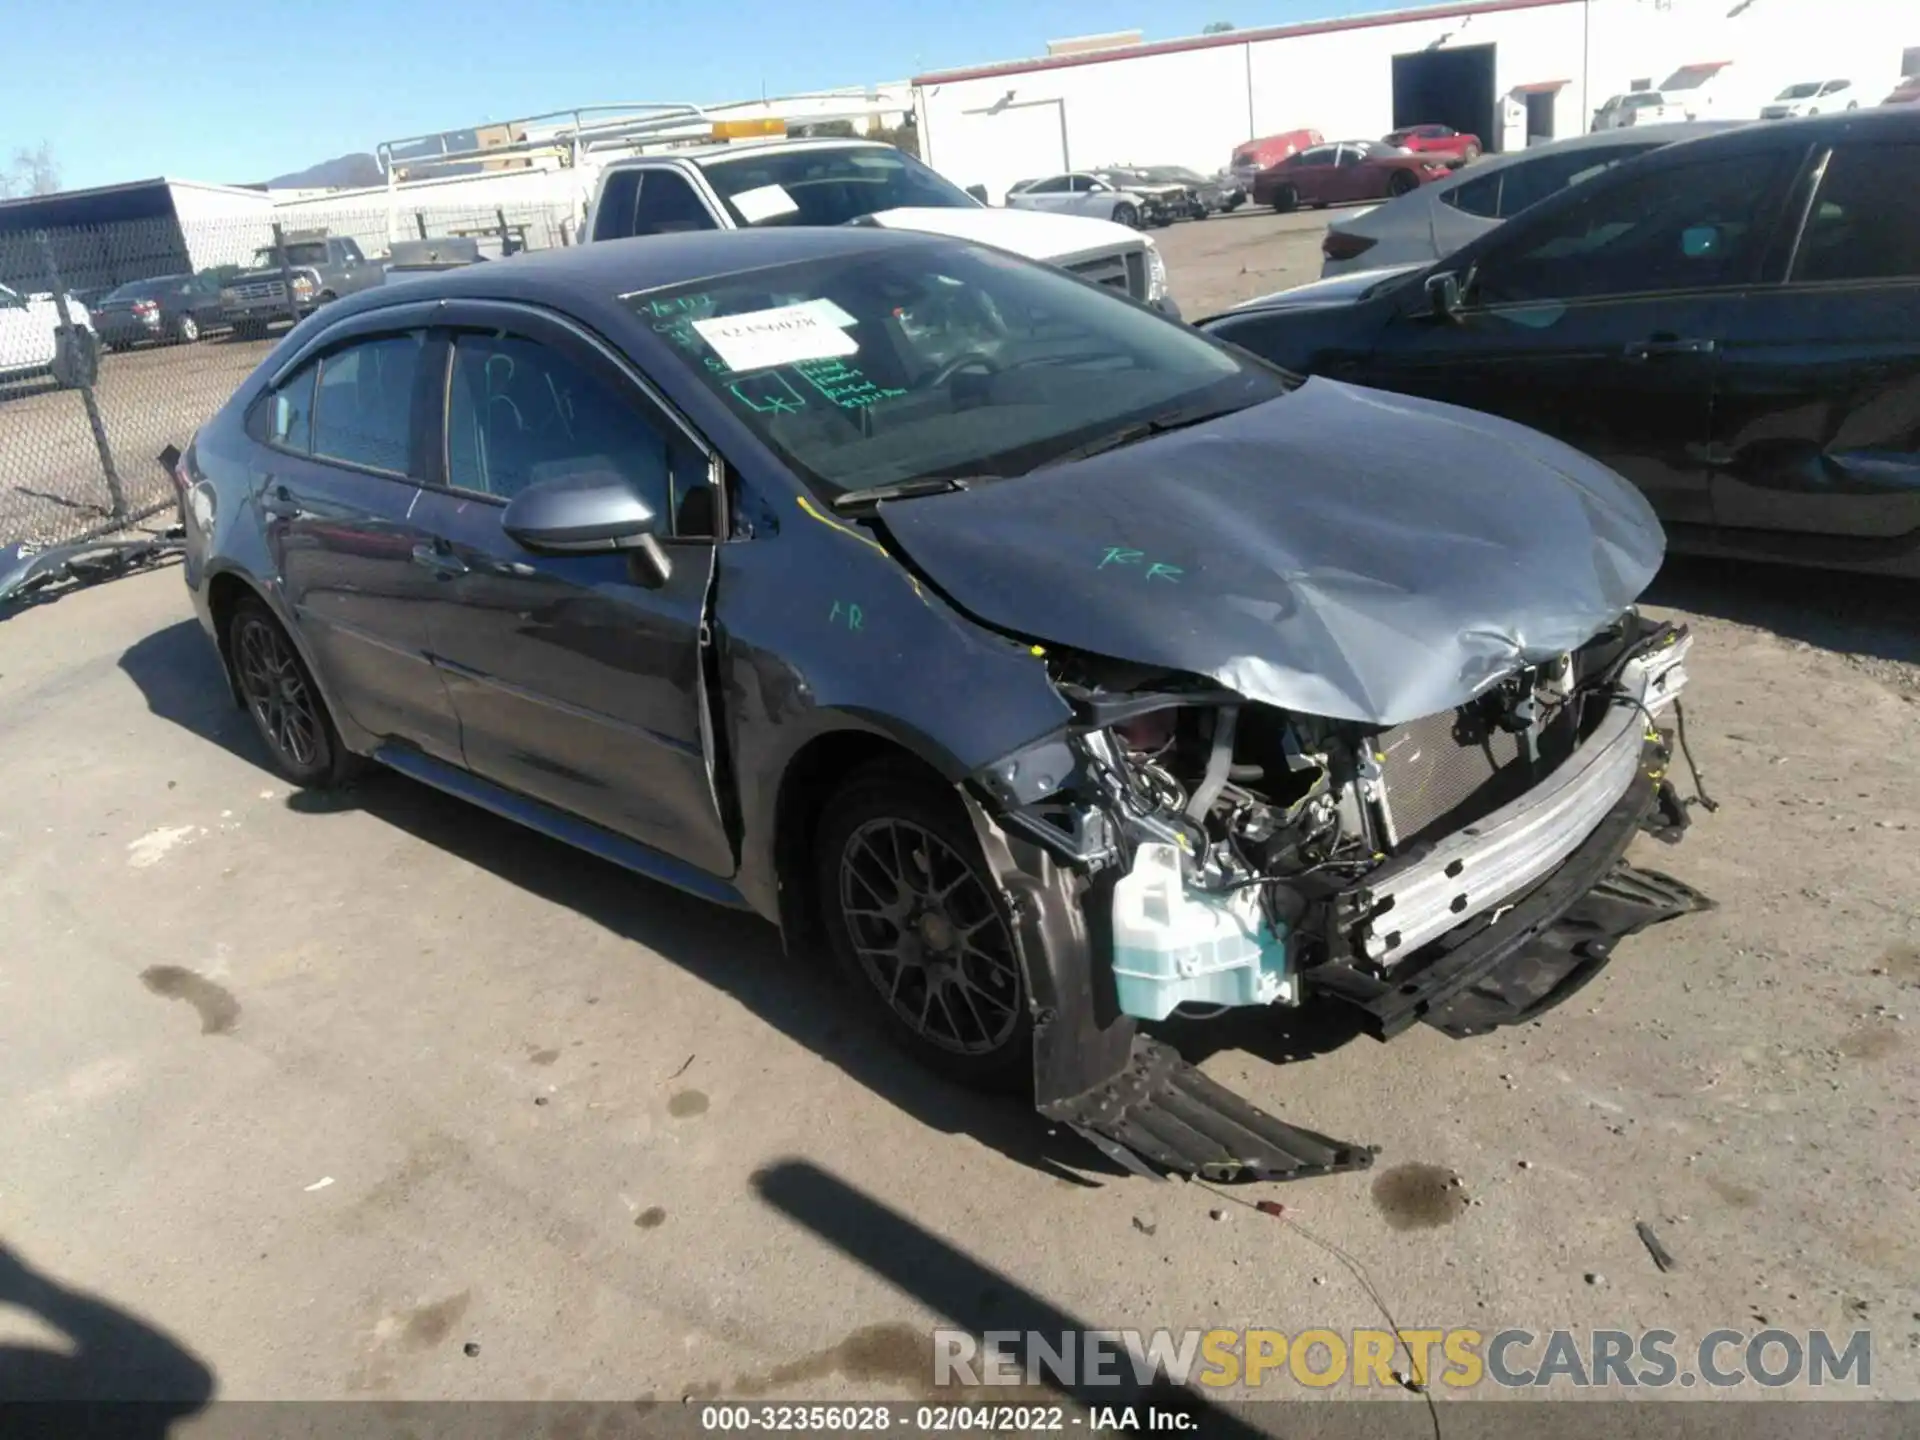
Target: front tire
(1286,200)
(1470,154)
(284,703)
(1399,183)
(1126,215)
(920,929)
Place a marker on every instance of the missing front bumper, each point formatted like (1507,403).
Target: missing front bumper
(1531,953)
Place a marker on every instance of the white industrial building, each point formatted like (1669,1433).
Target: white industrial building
(1510,71)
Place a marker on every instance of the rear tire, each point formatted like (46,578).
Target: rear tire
(1470,154)
(286,707)
(920,930)
(1126,215)
(187,330)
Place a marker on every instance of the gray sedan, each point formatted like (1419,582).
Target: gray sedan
(1435,220)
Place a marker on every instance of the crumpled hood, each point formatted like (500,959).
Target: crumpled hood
(1339,551)
(1035,234)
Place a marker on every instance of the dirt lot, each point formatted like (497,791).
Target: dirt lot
(52,483)
(384,1098)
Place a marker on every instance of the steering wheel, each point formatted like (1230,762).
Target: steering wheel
(968,360)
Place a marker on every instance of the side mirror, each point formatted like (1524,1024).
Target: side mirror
(978,192)
(1443,295)
(588,510)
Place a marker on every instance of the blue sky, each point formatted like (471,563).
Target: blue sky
(233,92)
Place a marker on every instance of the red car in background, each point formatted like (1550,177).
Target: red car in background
(1269,150)
(1350,170)
(1440,141)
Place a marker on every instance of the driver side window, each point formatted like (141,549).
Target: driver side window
(519,413)
(1687,227)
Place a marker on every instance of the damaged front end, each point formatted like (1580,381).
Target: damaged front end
(1183,850)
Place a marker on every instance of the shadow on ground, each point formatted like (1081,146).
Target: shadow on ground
(132,1380)
(1852,614)
(738,954)
(968,1295)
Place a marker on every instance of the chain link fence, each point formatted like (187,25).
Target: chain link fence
(117,341)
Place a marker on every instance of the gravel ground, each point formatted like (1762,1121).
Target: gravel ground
(383,1098)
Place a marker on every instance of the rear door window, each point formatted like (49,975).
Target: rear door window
(1477,197)
(363,405)
(290,413)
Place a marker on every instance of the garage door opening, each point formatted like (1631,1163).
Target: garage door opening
(1448,87)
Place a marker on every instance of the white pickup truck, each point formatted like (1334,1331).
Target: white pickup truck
(729,186)
(30,332)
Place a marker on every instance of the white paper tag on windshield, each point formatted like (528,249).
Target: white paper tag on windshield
(811,330)
(764,203)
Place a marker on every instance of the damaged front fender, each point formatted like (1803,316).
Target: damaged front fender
(1132,1098)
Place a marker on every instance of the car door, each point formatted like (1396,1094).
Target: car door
(206,301)
(1351,176)
(1599,322)
(340,469)
(1817,399)
(1047,194)
(1087,195)
(577,681)
(1313,174)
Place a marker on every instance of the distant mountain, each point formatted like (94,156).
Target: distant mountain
(343,172)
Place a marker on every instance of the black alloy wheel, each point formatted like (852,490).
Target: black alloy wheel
(921,930)
(285,704)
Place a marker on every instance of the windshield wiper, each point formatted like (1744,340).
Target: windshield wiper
(1145,430)
(899,490)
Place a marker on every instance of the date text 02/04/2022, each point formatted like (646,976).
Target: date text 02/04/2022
(943,1419)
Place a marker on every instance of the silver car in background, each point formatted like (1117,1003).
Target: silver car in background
(1435,220)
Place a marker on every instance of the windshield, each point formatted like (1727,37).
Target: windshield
(1644,99)
(1799,92)
(1178,174)
(939,360)
(805,186)
(313,252)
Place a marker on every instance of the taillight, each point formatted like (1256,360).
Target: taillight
(1341,246)
(145,307)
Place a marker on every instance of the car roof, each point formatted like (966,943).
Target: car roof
(1671,133)
(732,149)
(588,281)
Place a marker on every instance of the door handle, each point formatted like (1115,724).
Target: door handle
(1666,345)
(279,504)
(441,561)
